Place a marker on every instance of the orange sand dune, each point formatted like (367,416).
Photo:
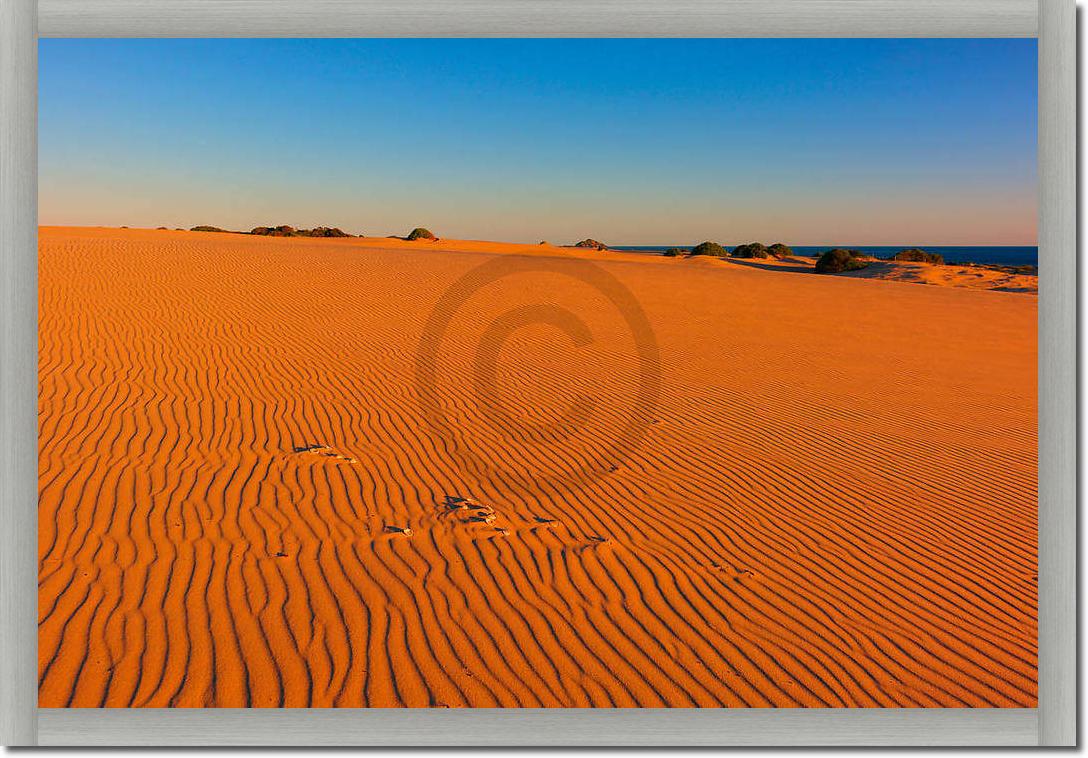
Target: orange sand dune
(970,277)
(258,489)
(973,277)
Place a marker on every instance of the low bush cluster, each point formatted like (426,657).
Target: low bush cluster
(274,231)
(290,231)
(918,256)
(591,243)
(323,231)
(839,260)
(751,250)
(712,249)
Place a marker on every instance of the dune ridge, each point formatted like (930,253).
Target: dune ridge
(241,504)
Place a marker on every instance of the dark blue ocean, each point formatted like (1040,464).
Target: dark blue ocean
(1002,256)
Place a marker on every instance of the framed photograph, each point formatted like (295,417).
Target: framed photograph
(538,372)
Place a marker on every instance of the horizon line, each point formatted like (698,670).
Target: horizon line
(352,235)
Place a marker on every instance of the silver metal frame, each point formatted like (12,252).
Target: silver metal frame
(1053,723)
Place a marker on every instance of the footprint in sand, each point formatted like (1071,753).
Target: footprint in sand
(470,511)
(405,531)
(324,451)
(544,525)
(735,574)
(473,512)
(458,503)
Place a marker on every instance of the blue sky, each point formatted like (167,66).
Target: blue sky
(629,141)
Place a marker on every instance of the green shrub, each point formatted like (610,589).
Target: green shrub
(712,249)
(591,243)
(918,256)
(290,231)
(419,233)
(207,229)
(778,250)
(323,231)
(751,250)
(673,252)
(838,260)
(274,231)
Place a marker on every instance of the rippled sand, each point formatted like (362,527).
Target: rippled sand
(302,472)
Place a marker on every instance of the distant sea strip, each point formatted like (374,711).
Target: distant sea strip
(1001,256)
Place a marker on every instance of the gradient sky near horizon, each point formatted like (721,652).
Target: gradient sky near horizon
(861,142)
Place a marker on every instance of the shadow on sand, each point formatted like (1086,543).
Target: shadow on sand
(793,265)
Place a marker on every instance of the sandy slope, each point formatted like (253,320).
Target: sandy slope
(832,503)
(959,276)
(974,277)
